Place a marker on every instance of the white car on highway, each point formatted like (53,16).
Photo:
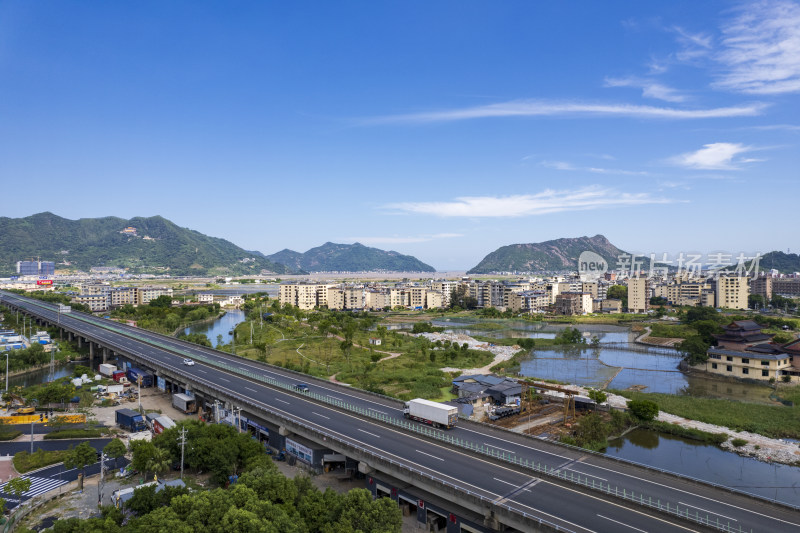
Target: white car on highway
(188,362)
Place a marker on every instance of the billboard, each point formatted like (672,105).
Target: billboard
(44,281)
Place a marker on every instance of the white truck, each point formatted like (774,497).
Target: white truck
(107,370)
(433,413)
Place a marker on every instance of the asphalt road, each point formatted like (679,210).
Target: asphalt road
(568,508)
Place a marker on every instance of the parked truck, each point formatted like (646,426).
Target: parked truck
(433,413)
(107,370)
(119,376)
(135,373)
(184,403)
(130,420)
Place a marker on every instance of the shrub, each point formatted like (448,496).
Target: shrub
(645,410)
(738,443)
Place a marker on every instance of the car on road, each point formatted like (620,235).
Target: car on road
(301,387)
(188,362)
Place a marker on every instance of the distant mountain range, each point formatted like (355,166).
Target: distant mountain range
(786,263)
(558,254)
(143,245)
(332,257)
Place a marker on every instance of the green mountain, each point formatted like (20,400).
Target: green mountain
(786,263)
(156,245)
(555,255)
(332,257)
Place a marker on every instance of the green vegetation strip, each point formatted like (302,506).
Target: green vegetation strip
(25,462)
(772,421)
(9,435)
(75,434)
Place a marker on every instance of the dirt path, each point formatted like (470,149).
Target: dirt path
(645,338)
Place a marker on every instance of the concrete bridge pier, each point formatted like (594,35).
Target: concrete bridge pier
(80,342)
(105,354)
(91,354)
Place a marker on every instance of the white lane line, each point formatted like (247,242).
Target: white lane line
(498,447)
(750,511)
(622,523)
(203,371)
(509,483)
(368,433)
(248,388)
(377,410)
(429,455)
(223,379)
(585,474)
(282,401)
(707,511)
(323,416)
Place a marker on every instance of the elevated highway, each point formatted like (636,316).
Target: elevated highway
(514,482)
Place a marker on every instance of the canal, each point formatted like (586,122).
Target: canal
(221,326)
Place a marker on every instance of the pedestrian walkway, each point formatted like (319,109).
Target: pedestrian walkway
(39,485)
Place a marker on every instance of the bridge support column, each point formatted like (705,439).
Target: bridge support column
(91,354)
(283,431)
(80,341)
(105,354)
(70,336)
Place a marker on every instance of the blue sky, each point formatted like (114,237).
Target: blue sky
(438,129)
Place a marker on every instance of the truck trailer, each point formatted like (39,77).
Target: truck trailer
(184,403)
(135,373)
(107,370)
(130,420)
(433,413)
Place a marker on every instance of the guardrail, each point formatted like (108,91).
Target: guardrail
(587,482)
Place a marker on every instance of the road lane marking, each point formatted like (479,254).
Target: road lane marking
(707,511)
(585,474)
(323,416)
(223,379)
(248,388)
(377,410)
(282,401)
(512,484)
(498,447)
(373,434)
(622,523)
(203,371)
(429,455)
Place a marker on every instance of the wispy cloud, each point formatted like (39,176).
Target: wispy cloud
(650,88)
(534,108)
(693,45)
(395,239)
(564,165)
(715,156)
(761,49)
(543,203)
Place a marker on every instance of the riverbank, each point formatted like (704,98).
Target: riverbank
(501,353)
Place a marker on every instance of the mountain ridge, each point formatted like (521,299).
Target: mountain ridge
(155,244)
(553,255)
(335,257)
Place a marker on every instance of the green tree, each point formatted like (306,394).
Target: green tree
(164,301)
(645,410)
(18,485)
(694,349)
(592,432)
(115,449)
(143,452)
(80,456)
(361,513)
(618,292)
(756,301)
(598,396)
(159,462)
(696,314)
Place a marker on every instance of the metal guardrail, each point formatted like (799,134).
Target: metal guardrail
(489,451)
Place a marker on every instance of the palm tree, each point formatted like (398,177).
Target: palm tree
(159,462)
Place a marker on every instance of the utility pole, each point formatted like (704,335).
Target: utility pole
(101,482)
(139,394)
(251,333)
(31,437)
(182,441)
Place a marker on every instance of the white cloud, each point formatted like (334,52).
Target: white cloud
(531,108)
(394,239)
(761,49)
(715,156)
(650,89)
(694,45)
(545,202)
(563,165)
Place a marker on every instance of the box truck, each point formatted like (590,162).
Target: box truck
(433,413)
(184,403)
(130,420)
(107,370)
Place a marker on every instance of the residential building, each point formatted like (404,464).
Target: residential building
(762,286)
(573,303)
(147,293)
(638,295)
(377,299)
(304,295)
(446,288)
(434,300)
(95,302)
(36,268)
(748,364)
(732,292)
(788,287)
(205,298)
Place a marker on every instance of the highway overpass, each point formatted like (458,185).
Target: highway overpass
(480,476)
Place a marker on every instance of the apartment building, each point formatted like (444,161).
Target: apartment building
(119,296)
(573,303)
(304,295)
(434,300)
(205,298)
(732,292)
(762,286)
(638,295)
(690,293)
(747,365)
(788,287)
(528,301)
(377,299)
(145,294)
(95,302)
(446,288)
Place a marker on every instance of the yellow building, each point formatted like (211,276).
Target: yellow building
(732,292)
(304,295)
(638,295)
(747,365)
